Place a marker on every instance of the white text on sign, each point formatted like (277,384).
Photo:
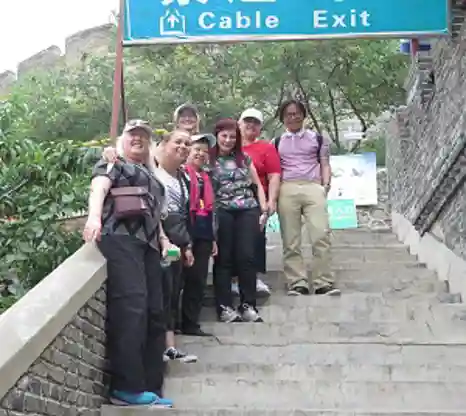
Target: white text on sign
(210,20)
(322,19)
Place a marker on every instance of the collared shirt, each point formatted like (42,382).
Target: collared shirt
(298,156)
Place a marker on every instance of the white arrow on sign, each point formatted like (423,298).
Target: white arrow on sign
(173,20)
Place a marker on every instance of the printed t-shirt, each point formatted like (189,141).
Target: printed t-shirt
(233,184)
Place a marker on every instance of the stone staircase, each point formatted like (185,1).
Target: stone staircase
(393,344)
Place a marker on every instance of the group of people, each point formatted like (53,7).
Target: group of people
(207,196)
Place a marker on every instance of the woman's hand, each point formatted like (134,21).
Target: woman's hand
(110,155)
(263,220)
(165,245)
(214,249)
(92,229)
(272,207)
(188,257)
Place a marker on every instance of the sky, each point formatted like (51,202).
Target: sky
(29,26)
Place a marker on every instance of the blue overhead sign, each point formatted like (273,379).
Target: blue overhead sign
(184,21)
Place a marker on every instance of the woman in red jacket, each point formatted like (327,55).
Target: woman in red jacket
(267,163)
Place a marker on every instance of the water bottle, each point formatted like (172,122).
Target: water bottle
(173,254)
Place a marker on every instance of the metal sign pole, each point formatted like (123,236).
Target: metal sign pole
(118,76)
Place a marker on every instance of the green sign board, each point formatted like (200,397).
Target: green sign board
(342,214)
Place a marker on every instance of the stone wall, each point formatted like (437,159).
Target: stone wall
(69,377)
(426,150)
(44,60)
(95,41)
(7,79)
(52,355)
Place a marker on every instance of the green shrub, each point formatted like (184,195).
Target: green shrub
(41,182)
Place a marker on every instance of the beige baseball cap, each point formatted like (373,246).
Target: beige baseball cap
(185,107)
(138,124)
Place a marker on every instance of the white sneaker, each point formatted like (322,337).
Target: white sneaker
(229,315)
(262,287)
(173,354)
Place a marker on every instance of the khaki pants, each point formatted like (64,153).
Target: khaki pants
(305,200)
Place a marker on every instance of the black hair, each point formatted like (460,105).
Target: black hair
(285,104)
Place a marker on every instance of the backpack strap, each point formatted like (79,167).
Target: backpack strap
(276,142)
(320,140)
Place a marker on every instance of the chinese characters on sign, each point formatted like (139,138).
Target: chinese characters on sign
(182,21)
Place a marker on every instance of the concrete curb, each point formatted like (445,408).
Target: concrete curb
(29,326)
(437,256)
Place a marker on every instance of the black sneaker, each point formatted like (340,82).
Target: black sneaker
(173,354)
(328,290)
(195,332)
(298,291)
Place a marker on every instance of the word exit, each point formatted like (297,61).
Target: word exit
(323,19)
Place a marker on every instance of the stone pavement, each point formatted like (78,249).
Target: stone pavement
(393,344)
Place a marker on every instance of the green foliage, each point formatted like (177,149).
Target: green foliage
(40,183)
(376,145)
(335,79)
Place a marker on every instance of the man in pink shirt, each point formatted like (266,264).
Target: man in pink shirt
(306,175)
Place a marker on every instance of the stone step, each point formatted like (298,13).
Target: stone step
(250,393)
(343,254)
(395,290)
(372,274)
(400,282)
(349,310)
(360,235)
(422,358)
(386,332)
(283,371)
(362,300)
(356,270)
(147,411)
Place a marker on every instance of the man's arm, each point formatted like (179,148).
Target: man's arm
(325,169)
(272,163)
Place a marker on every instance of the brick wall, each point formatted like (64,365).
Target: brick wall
(426,154)
(69,378)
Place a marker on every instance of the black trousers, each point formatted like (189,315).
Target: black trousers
(260,260)
(172,285)
(194,283)
(260,256)
(135,315)
(237,231)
